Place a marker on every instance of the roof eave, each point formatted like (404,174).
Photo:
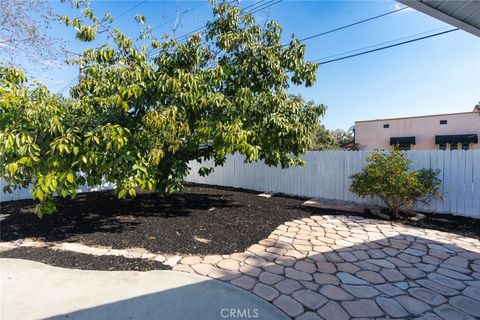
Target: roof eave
(420,6)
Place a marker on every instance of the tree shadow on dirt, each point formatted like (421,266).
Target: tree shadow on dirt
(100,212)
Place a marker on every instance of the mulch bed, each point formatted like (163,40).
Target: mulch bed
(74,260)
(197,221)
(201,220)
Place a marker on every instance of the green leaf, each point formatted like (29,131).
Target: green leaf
(122,193)
(39,194)
(12,168)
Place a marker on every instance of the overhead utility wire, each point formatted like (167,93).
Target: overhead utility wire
(132,8)
(351,24)
(265,6)
(386,47)
(181,14)
(381,43)
(255,6)
(123,13)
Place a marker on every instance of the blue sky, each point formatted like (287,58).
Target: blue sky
(437,75)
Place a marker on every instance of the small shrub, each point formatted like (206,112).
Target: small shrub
(386,176)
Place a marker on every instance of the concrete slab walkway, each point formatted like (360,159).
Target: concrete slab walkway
(31,290)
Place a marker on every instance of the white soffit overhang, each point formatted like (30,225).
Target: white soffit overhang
(463,14)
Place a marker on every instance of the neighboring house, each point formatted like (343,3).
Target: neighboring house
(442,131)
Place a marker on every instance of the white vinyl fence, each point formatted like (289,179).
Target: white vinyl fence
(20,194)
(326,175)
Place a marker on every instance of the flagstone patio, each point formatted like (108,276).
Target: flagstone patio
(327,267)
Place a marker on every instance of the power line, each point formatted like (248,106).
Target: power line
(381,43)
(129,10)
(68,85)
(258,6)
(352,24)
(254,4)
(385,47)
(181,14)
(123,13)
(265,6)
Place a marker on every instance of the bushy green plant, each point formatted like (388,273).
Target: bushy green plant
(139,114)
(387,176)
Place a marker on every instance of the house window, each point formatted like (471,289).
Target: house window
(442,146)
(465,146)
(443,121)
(453,146)
(386,125)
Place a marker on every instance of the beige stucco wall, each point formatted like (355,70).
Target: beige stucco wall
(372,135)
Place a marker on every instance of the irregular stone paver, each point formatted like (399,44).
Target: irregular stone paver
(370,276)
(266,292)
(429,316)
(297,275)
(448,312)
(472,292)
(466,304)
(250,270)
(362,308)
(305,266)
(437,287)
(391,307)
(453,274)
(224,275)
(333,311)
(308,316)
(191,260)
(389,290)
(323,279)
(338,267)
(335,293)
(202,268)
(361,291)
(349,279)
(229,264)
(288,286)
(392,275)
(270,278)
(288,305)
(412,305)
(446,281)
(244,282)
(310,299)
(427,296)
(412,273)
(326,267)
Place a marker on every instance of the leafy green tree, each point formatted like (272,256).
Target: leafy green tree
(323,139)
(139,114)
(346,139)
(386,176)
